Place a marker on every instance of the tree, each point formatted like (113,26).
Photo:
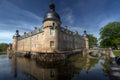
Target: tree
(92,40)
(3,47)
(110,35)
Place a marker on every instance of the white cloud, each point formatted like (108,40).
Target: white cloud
(6,36)
(12,18)
(68,16)
(78,29)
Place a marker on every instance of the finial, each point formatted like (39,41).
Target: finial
(17,33)
(52,6)
(85,32)
(17,30)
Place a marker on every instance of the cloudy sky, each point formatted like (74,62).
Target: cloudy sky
(78,15)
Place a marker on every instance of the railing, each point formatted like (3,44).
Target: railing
(102,50)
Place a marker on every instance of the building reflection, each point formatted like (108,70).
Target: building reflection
(36,70)
(14,66)
(65,70)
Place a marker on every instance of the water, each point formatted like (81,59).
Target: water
(77,68)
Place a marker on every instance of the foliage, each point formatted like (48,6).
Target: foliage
(110,35)
(117,52)
(92,40)
(74,58)
(3,47)
(106,68)
(77,61)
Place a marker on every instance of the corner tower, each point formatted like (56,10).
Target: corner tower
(85,36)
(51,27)
(51,17)
(15,41)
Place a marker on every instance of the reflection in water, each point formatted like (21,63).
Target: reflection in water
(76,68)
(38,71)
(15,66)
(92,68)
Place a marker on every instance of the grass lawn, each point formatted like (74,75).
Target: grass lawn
(116,52)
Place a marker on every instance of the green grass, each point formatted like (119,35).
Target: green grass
(117,52)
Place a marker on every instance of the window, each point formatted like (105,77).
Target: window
(52,31)
(37,37)
(51,43)
(53,24)
(64,37)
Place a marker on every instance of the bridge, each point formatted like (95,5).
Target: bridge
(105,51)
(97,50)
(101,50)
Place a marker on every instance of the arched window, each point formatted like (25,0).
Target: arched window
(53,24)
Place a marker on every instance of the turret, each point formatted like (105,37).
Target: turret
(51,17)
(85,36)
(51,27)
(15,40)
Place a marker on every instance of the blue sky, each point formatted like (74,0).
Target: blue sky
(78,15)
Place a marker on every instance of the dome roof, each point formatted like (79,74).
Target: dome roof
(52,14)
(85,34)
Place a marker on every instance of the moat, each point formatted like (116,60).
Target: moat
(78,67)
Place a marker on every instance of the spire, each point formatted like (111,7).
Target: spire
(52,6)
(85,34)
(52,14)
(17,32)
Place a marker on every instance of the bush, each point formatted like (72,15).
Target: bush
(3,47)
(117,52)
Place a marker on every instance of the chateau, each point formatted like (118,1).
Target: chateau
(50,38)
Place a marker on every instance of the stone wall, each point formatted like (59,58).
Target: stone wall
(63,39)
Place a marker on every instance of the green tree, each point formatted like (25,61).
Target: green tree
(92,40)
(110,35)
(3,47)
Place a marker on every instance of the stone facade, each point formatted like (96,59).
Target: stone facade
(50,38)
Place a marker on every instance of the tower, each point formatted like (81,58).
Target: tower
(51,26)
(85,36)
(15,40)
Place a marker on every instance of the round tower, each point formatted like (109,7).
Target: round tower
(15,40)
(51,17)
(85,36)
(51,25)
